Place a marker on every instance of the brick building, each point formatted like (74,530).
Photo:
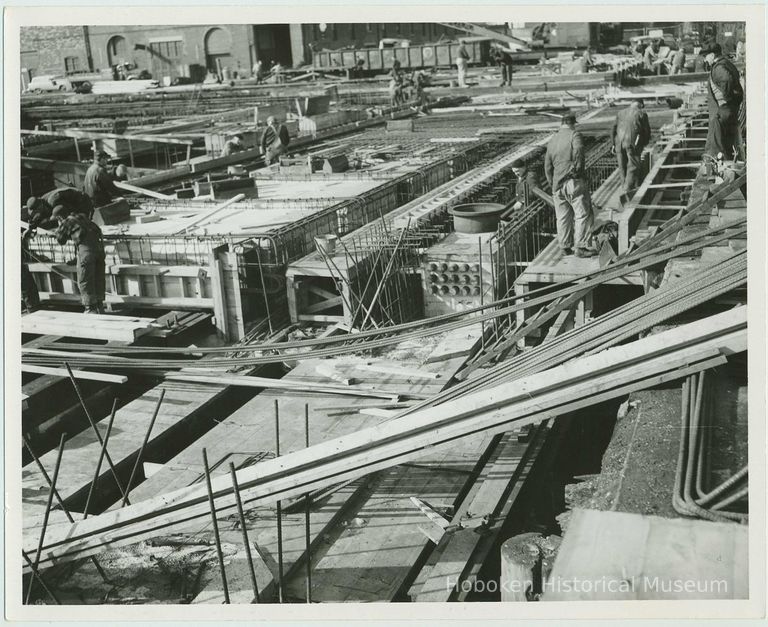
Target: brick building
(53,50)
(191,50)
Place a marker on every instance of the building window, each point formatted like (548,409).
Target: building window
(334,32)
(167,49)
(71,64)
(369,27)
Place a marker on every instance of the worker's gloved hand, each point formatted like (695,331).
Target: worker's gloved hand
(613,150)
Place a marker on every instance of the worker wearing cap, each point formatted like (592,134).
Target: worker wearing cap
(99,183)
(725,97)
(503,58)
(631,134)
(233,145)
(69,197)
(527,179)
(274,140)
(86,236)
(564,169)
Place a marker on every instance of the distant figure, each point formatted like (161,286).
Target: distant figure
(86,237)
(700,62)
(503,59)
(741,50)
(277,71)
(729,47)
(419,81)
(233,145)
(586,62)
(564,169)
(358,71)
(725,97)
(99,183)
(274,140)
(462,62)
(631,134)
(258,72)
(678,59)
(652,64)
(395,85)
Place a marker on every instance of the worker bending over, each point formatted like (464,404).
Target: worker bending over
(69,197)
(725,97)
(86,236)
(99,183)
(631,134)
(564,169)
(274,140)
(233,145)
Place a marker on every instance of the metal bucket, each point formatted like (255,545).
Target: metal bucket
(326,243)
(477,217)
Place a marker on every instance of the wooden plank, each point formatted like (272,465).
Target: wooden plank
(82,326)
(136,301)
(143,191)
(80,134)
(579,383)
(79,374)
(654,557)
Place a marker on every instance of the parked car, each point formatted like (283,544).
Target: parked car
(40,84)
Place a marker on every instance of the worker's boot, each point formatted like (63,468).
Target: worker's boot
(585,252)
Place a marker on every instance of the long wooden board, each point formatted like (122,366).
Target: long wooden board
(579,383)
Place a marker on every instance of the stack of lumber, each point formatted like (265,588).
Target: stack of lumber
(89,326)
(580,383)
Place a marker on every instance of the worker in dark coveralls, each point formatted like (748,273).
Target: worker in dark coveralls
(69,197)
(631,133)
(725,97)
(34,218)
(86,236)
(274,140)
(564,169)
(99,181)
(527,179)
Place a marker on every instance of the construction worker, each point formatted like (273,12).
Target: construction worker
(725,97)
(99,182)
(652,64)
(586,61)
(564,169)
(527,179)
(503,59)
(274,140)
(30,296)
(233,145)
(68,197)
(86,236)
(395,84)
(419,80)
(631,134)
(678,59)
(462,62)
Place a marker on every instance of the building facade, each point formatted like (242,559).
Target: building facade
(53,50)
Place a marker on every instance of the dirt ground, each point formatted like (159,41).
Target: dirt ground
(638,467)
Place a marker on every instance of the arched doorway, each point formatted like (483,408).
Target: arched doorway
(117,50)
(218,50)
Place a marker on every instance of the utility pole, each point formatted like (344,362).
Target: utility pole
(88,54)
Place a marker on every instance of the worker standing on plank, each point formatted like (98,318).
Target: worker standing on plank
(725,97)
(233,145)
(99,183)
(586,63)
(564,169)
(274,140)
(86,236)
(651,62)
(462,62)
(503,59)
(631,134)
